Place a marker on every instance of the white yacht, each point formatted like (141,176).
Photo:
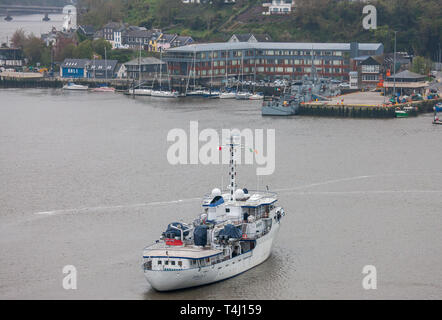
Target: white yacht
(227,95)
(103,89)
(234,233)
(243,95)
(256,96)
(164,94)
(73,86)
(140,91)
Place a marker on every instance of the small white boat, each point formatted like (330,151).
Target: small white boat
(256,96)
(243,95)
(164,94)
(103,89)
(73,86)
(141,91)
(227,95)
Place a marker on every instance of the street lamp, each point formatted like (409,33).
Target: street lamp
(394,65)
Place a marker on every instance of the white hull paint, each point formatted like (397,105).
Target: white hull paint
(104,89)
(164,94)
(140,92)
(75,87)
(227,95)
(162,280)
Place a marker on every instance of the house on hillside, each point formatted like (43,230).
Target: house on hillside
(182,41)
(279,7)
(167,41)
(87,31)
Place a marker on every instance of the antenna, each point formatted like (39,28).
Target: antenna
(232,171)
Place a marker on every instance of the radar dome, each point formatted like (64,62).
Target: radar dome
(216,192)
(239,194)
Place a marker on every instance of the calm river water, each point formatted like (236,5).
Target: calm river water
(84,181)
(29,23)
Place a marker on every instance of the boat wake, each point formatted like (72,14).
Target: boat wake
(296,190)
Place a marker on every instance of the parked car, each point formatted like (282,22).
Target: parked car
(344,85)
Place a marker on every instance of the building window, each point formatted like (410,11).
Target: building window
(180,263)
(172,262)
(159,262)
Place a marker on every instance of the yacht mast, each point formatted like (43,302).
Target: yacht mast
(232,186)
(161,70)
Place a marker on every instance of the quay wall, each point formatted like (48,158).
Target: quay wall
(365,111)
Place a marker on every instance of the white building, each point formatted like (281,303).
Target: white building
(279,7)
(70,18)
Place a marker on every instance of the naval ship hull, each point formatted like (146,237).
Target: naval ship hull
(279,111)
(162,280)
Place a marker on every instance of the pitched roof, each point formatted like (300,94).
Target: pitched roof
(243,37)
(263,37)
(144,61)
(101,64)
(168,37)
(271,46)
(74,63)
(87,29)
(407,75)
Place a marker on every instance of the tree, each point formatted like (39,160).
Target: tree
(421,65)
(84,50)
(18,38)
(99,45)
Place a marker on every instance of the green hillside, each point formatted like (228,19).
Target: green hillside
(419,22)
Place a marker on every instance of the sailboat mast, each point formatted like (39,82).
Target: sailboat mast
(161,70)
(105,63)
(227,80)
(194,67)
(211,72)
(139,67)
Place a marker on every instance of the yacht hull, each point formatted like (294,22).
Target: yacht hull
(162,280)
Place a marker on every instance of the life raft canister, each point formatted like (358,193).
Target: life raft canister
(244,236)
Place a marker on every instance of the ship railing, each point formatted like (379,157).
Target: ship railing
(263,193)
